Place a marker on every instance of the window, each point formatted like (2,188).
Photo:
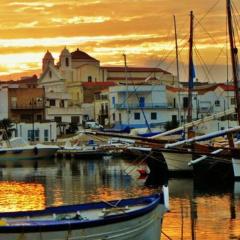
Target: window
(102,108)
(137,116)
(26,117)
(106,108)
(113,116)
(113,101)
(67,62)
(50,74)
(174,118)
(39,118)
(29,135)
(185,102)
(233,102)
(58,119)
(36,135)
(174,102)
(217,103)
(120,117)
(14,102)
(33,137)
(46,135)
(61,104)
(89,78)
(153,116)
(75,119)
(142,102)
(52,102)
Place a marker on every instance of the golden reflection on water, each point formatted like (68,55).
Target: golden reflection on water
(21,196)
(206,217)
(107,193)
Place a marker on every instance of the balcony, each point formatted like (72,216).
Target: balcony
(64,111)
(144,106)
(38,106)
(103,112)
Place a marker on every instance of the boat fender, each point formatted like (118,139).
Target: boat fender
(35,150)
(3,222)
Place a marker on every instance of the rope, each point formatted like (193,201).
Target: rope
(166,235)
(134,168)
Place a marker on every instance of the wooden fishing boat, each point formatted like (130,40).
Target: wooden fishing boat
(134,218)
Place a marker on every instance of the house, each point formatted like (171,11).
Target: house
(25,107)
(140,105)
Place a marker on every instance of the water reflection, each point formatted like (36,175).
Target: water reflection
(77,181)
(20,196)
(197,211)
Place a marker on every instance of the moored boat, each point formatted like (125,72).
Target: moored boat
(18,148)
(134,218)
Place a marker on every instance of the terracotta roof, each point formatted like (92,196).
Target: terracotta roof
(135,69)
(26,80)
(98,84)
(175,89)
(130,78)
(226,87)
(204,89)
(82,55)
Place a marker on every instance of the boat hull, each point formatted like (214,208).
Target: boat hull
(177,161)
(146,227)
(139,223)
(214,171)
(27,153)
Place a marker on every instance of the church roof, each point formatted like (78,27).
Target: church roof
(82,55)
(65,52)
(134,69)
(48,56)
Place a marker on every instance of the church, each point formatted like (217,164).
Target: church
(77,70)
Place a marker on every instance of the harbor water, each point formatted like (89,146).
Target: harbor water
(197,211)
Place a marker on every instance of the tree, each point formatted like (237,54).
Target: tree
(6,127)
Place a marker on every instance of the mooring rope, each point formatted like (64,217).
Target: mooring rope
(134,168)
(166,235)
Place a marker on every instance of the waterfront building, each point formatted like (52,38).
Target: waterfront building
(25,107)
(81,75)
(43,131)
(101,107)
(136,105)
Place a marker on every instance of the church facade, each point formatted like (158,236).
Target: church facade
(74,69)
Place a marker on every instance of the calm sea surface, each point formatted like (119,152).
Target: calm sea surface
(197,212)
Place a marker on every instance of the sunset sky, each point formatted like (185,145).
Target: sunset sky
(105,29)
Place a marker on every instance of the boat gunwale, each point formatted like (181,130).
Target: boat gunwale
(151,202)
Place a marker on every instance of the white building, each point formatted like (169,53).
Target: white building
(43,132)
(136,105)
(3,103)
(59,109)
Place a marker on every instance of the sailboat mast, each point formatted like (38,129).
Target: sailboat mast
(234,58)
(191,70)
(178,78)
(126,80)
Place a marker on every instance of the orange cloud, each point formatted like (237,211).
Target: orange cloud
(143,29)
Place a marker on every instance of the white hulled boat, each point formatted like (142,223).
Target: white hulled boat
(134,218)
(18,149)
